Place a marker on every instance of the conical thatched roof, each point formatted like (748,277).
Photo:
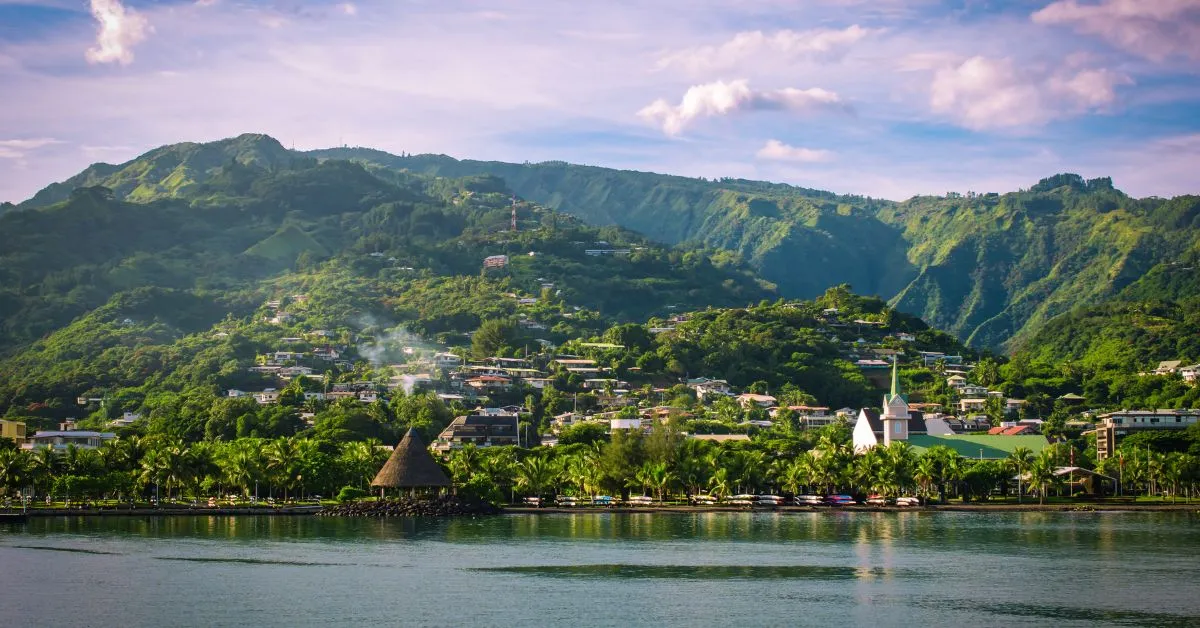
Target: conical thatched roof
(411,466)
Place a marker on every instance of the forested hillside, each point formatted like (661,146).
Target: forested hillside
(992,268)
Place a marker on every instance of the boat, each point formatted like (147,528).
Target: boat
(808,500)
(703,500)
(908,501)
(768,500)
(877,500)
(741,500)
(840,500)
(602,500)
(640,500)
(568,502)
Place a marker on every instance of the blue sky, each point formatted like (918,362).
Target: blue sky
(887,98)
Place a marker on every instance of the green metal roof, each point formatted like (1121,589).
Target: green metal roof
(987,446)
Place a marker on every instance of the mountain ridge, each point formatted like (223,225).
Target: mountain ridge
(991,268)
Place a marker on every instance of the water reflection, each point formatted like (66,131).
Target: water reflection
(690,572)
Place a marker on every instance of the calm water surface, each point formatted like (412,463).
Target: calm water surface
(884,569)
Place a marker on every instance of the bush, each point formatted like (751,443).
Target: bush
(350,493)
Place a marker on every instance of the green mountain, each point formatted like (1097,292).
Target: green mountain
(242,218)
(991,268)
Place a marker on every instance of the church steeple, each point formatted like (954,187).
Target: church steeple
(895,377)
(895,410)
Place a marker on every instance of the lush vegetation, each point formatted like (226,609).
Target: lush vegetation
(661,464)
(988,267)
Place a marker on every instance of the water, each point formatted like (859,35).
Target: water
(883,569)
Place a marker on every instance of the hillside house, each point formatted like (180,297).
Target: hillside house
(973,404)
(59,441)
(749,400)
(447,360)
(481,430)
(1190,373)
(1113,426)
(1167,367)
(708,388)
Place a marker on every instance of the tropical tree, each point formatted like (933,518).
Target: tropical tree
(1019,461)
(1041,474)
(15,469)
(535,475)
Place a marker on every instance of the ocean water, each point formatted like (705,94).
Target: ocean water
(599,569)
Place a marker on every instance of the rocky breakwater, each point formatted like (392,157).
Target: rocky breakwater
(447,506)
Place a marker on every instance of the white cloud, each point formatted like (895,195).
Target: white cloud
(776,150)
(984,93)
(720,98)
(17,148)
(120,29)
(348,8)
(749,44)
(1154,29)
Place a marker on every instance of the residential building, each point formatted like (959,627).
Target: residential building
(972,390)
(1190,373)
(706,388)
(60,440)
(1167,367)
(1113,426)
(127,419)
(446,360)
(481,430)
(13,430)
(751,399)
(956,381)
(267,396)
(972,405)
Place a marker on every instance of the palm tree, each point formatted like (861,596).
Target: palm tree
(1019,460)
(1041,473)
(284,463)
(926,473)
(362,461)
(535,474)
(14,469)
(793,476)
(718,483)
(658,477)
(44,466)
(242,466)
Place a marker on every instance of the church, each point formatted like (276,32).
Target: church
(896,423)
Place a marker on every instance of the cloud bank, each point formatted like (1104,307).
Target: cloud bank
(720,98)
(982,93)
(823,42)
(1154,29)
(776,150)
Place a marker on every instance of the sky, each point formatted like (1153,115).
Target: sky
(886,98)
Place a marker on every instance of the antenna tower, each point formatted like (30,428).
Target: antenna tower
(514,213)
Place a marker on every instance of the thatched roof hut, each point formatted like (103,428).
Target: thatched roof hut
(411,466)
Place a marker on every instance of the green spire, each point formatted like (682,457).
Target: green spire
(895,378)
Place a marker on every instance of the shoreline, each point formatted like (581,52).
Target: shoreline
(522,510)
(556,510)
